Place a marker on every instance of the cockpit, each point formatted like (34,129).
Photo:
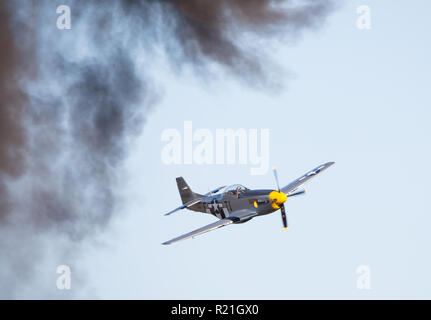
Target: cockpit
(235,189)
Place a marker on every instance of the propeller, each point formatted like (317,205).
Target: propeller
(283,216)
(274,169)
(279,198)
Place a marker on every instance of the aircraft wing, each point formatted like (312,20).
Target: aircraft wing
(300,181)
(236,216)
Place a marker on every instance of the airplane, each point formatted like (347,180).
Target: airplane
(237,204)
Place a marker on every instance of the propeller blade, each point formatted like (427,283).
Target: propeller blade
(283,216)
(276,177)
(297,193)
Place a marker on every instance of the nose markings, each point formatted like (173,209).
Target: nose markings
(277,198)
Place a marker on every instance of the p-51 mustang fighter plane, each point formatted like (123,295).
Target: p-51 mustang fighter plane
(237,204)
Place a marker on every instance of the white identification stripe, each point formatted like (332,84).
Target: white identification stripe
(226,212)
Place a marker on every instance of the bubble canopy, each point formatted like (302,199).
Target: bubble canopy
(234,189)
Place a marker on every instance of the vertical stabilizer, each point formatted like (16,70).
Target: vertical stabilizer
(185,192)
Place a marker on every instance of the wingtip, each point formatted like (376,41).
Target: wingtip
(169,213)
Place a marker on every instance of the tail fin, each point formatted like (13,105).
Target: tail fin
(185,192)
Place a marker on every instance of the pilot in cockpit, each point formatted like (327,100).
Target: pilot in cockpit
(238,191)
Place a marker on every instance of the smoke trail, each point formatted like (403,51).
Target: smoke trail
(201,31)
(11,100)
(65,122)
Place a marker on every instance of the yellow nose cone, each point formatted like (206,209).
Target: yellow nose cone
(277,198)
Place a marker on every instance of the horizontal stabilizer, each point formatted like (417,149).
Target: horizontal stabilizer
(186,205)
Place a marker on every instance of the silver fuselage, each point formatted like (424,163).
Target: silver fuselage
(222,205)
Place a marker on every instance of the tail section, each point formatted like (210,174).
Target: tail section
(185,192)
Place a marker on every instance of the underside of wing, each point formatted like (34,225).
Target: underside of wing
(235,217)
(211,226)
(300,181)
